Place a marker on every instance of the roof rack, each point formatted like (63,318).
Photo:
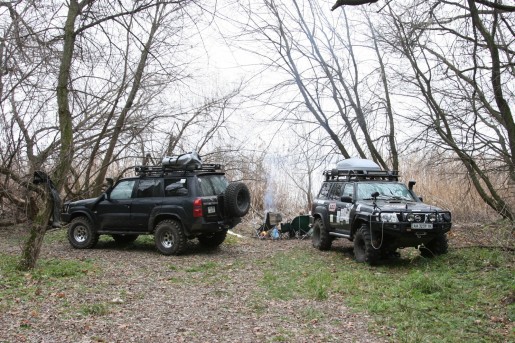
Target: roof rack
(166,170)
(348,175)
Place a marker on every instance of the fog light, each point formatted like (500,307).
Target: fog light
(431,217)
(410,217)
(389,217)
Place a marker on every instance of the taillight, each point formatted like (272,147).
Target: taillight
(197,208)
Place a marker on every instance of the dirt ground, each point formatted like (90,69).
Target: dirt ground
(142,296)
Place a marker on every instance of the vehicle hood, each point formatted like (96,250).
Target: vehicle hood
(84,202)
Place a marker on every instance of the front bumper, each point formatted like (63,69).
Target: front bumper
(401,234)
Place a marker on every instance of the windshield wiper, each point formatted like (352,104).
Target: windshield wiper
(397,197)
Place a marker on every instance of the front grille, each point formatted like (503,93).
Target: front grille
(419,218)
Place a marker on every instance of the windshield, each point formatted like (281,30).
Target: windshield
(386,190)
(212,184)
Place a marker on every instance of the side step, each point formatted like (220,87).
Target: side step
(336,234)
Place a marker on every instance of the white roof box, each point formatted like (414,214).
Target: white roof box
(357,164)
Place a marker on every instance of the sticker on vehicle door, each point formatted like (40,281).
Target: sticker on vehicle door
(332,207)
(343,215)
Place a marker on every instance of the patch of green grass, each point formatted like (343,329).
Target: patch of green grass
(465,295)
(62,268)
(97,309)
(207,267)
(231,240)
(258,305)
(146,239)
(296,275)
(282,337)
(56,236)
(49,275)
(311,314)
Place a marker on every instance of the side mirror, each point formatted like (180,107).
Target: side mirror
(346,198)
(421,198)
(411,183)
(110,182)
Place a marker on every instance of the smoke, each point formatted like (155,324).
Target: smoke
(269,198)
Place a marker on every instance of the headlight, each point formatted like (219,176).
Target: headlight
(431,217)
(389,217)
(410,217)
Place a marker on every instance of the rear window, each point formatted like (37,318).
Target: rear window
(176,187)
(212,184)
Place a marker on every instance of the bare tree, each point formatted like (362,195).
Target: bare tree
(466,110)
(303,161)
(57,144)
(320,60)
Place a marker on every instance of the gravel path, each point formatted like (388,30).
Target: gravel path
(138,295)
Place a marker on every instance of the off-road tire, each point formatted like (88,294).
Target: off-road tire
(81,234)
(237,199)
(212,240)
(124,239)
(363,249)
(437,246)
(320,237)
(169,238)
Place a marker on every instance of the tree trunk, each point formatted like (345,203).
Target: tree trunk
(34,240)
(38,226)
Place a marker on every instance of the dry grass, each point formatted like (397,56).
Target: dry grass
(446,185)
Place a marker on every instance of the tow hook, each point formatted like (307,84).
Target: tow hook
(420,234)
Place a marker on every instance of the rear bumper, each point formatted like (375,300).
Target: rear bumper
(201,226)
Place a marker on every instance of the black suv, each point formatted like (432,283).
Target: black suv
(368,206)
(174,203)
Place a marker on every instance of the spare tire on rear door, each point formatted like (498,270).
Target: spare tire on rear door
(237,199)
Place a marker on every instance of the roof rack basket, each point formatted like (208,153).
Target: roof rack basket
(347,175)
(165,170)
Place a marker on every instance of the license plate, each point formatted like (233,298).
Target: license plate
(424,226)
(211,209)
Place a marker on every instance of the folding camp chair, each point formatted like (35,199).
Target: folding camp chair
(300,225)
(287,231)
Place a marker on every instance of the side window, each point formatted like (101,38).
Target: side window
(176,187)
(348,190)
(335,191)
(324,191)
(123,190)
(149,188)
